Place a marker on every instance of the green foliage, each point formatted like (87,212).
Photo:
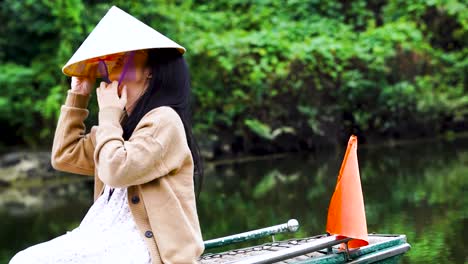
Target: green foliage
(320,69)
(265,131)
(17,103)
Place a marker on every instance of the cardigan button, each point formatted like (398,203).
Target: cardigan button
(135,199)
(148,234)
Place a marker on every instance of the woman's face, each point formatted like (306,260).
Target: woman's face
(136,77)
(136,68)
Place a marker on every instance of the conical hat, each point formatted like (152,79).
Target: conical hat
(117,33)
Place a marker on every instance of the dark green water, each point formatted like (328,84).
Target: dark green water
(416,189)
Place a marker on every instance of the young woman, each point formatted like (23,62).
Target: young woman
(144,160)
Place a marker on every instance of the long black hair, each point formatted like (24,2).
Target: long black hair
(169,86)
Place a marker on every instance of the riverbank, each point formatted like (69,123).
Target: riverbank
(28,168)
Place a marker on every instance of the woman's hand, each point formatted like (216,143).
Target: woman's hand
(107,95)
(82,85)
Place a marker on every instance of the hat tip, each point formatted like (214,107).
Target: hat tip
(115,8)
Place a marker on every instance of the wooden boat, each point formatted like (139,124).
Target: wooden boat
(319,249)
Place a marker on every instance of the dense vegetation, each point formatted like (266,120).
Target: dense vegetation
(267,75)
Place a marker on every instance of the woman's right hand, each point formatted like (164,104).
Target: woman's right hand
(82,85)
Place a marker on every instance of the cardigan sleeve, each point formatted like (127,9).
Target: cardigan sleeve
(72,149)
(156,148)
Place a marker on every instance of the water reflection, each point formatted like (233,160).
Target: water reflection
(31,215)
(417,190)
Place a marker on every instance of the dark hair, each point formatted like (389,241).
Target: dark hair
(169,86)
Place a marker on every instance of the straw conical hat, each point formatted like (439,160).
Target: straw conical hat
(117,32)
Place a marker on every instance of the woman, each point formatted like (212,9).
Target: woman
(144,161)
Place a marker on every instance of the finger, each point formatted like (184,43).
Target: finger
(74,81)
(123,97)
(103,85)
(98,94)
(119,91)
(114,85)
(124,94)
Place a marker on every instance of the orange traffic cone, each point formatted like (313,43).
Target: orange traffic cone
(346,214)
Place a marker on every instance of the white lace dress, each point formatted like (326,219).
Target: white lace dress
(107,234)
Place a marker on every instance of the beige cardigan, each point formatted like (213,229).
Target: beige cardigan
(155,164)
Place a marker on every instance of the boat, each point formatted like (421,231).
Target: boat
(347,241)
(320,249)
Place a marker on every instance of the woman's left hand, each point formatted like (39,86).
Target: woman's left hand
(107,95)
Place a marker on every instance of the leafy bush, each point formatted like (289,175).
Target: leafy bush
(313,71)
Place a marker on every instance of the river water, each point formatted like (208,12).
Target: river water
(417,189)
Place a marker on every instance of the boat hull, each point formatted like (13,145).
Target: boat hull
(381,249)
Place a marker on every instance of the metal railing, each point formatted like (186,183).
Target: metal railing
(291,226)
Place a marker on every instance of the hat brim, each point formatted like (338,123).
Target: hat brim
(89,67)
